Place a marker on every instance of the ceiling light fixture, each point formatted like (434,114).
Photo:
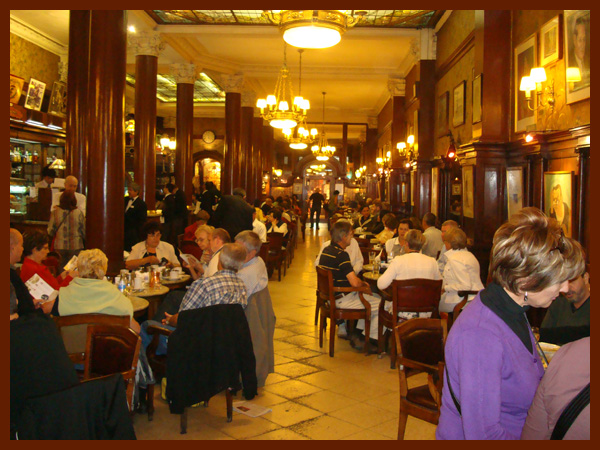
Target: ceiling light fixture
(276,108)
(322,150)
(299,138)
(314,28)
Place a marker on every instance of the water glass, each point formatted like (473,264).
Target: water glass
(372,256)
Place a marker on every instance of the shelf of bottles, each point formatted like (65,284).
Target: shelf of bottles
(27,159)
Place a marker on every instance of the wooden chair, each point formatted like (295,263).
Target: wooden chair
(416,295)
(327,294)
(158,363)
(276,253)
(73,330)
(180,239)
(363,242)
(459,306)
(420,345)
(112,349)
(52,262)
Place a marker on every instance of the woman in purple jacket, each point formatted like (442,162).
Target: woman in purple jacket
(493,366)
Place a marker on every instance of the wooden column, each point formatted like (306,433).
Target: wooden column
(245,155)
(185,75)
(344,151)
(231,170)
(147,46)
(105,134)
(255,181)
(76,149)
(266,154)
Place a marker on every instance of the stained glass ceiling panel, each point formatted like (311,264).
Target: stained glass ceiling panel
(206,90)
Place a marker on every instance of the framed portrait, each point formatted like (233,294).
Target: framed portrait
(58,99)
(297,188)
(577,50)
(35,94)
(514,189)
(442,114)
(458,104)
(16,87)
(435,174)
(413,187)
(456,188)
(467,187)
(558,198)
(525,60)
(416,125)
(477,86)
(550,40)
(404,193)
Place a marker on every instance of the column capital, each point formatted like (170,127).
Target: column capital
(63,69)
(232,82)
(248,98)
(397,87)
(372,122)
(146,43)
(184,73)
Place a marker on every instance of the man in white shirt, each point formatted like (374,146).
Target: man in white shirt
(70,185)
(48,176)
(446,226)
(259,228)
(219,238)
(254,272)
(434,242)
(395,246)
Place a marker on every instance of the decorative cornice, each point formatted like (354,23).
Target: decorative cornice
(146,43)
(184,73)
(232,82)
(37,37)
(248,98)
(372,122)
(63,69)
(397,87)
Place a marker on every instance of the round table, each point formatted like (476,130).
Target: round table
(139,305)
(182,281)
(154,296)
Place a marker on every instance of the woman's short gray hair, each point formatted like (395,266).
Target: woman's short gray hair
(415,240)
(530,253)
(92,264)
(456,237)
(232,256)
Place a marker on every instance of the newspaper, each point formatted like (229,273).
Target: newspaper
(189,259)
(250,409)
(41,290)
(72,264)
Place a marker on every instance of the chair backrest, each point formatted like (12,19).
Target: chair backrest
(275,241)
(325,284)
(179,240)
(417,294)
(73,330)
(365,253)
(363,242)
(192,248)
(110,349)
(421,341)
(264,251)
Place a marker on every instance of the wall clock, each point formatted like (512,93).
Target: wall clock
(208,136)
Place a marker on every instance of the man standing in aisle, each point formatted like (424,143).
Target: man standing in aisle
(70,185)
(175,213)
(316,201)
(233,213)
(434,242)
(136,213)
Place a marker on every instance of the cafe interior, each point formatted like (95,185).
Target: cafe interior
(467,114)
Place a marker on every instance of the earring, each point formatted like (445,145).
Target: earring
(525,299)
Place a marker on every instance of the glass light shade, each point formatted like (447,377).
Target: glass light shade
(271,100)
(261,103)
(407,164)
(401,145)
(305,104)
(298,101)
(287,131)
(538,74)
(165,141)
(410,139)
(173,144)
(298,146)
(379,160)
(283,106)
(313,132)
(527,84)
(312,36)
(283,123)
(322,158)
(573,74)
(388,154)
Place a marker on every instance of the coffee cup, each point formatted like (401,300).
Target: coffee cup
(175,274)
(138,283)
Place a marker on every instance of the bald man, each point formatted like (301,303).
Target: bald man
(70,185)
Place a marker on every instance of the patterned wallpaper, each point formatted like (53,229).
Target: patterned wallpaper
(27,61)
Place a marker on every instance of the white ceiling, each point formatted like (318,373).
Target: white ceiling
(354,73)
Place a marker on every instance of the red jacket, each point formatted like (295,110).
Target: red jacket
(30,268)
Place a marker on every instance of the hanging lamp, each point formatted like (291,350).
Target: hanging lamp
(299,137)
(279,109)
(322,150)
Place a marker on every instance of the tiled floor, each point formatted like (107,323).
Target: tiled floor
(312,396)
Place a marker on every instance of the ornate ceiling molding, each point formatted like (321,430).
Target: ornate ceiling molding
(231,82)
(37,37)
(397,87)
(148,43)
(184,73)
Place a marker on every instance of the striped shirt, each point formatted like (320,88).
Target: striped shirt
(71,234)
(337,260)
(224,287)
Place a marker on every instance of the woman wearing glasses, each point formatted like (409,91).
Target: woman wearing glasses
(493,366)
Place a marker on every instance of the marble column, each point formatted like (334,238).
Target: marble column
(231,170)
(146,45)
(105,134)
(185,76)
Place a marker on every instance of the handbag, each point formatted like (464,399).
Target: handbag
(53,235)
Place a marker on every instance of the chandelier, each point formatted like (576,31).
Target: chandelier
(299,138)
(279,109)
(314,28)
(322,150)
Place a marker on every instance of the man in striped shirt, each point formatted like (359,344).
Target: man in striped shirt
(335,258)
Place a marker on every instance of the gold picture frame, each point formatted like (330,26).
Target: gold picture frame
(576,23)
(467,187)
(525,60)
(35,94)
(558,198)
(58,99)
(16,88)
(550,41)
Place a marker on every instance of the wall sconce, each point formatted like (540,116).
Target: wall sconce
(533,82)
(407,150)
(451,152)
(573,76)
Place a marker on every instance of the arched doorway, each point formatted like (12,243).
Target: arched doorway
(207,167)
(321,174)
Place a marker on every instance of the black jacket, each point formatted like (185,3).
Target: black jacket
(135,217)
(208,350)
(25,305)
(234,214)
(175,207)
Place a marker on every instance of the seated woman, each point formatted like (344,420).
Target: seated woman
(91,293)
(390,224)
(152,250)
(461,272)
(275,223)
(203,236)
(35,249)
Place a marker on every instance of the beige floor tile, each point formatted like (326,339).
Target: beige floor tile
(367,435)
(326,401)
(363,415)
(294,354)
(282,332)
(290,413)
(417,429)
(244,427)
(389,402)
(295,369)
(274,378)
(282,345)
(282,434)
(292,389)
(324,379)
(359,390)
(326,427)
(279,359)
(266,398)
(388,429)
(302,341)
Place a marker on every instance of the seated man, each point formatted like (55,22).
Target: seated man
(253,272)
(218,238)
(190,231)
(258,227)
(433,245)
(568,317)
(412,264)
(356,258)
(337,260)
(395,246)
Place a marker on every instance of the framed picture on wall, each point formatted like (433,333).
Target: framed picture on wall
(558,198)
(416,125)
(442,114)
(297,188)
(413,187)
(458,104)
(35,94)
(467,187)
(477,86)
(514,189)
(577,50)
(525,60)
(435,173)
(16,87)
(58,99)
(550,42)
